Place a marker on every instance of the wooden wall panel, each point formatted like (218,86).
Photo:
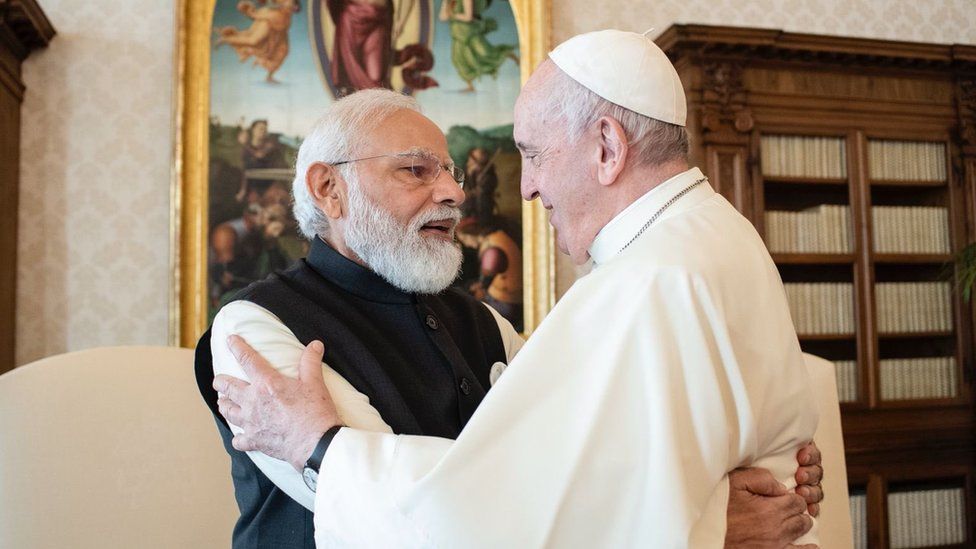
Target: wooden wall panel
(9,168)
(23,28)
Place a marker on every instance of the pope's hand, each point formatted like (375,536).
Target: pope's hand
(280,416)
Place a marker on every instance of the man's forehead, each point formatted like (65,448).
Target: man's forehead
(407,130)
(420,151)
(524,129)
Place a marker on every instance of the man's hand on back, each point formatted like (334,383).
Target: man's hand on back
(809,476)
(763,513)
(281,417)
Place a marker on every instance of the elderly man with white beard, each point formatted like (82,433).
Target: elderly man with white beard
(377,195)
(378,198)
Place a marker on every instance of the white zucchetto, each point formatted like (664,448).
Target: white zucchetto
(625,68)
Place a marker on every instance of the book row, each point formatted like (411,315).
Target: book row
(859,520)
(821,308)
(912,378)
(920,518)
(906,160)
(902,379)
(827,229)
(822,229)
(846,372)
(798,156)
(912,230)
(903,307)
(914,307)
(926,518)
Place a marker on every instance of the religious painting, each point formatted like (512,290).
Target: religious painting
(271,67)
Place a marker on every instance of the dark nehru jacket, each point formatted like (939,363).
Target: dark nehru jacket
(422,360)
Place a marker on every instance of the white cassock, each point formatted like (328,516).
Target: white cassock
(672,363)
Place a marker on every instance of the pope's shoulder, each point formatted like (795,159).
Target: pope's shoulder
(710,240)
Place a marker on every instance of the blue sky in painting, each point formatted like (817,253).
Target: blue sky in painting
(238,90)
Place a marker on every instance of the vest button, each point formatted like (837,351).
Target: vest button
(465,386)
(432,322)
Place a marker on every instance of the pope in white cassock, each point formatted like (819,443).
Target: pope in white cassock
(673,362)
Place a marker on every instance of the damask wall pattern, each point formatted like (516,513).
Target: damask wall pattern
(93,245)
(940,21)
(97,135)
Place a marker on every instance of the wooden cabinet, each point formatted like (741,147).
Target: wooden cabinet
(23,28)
(856,161)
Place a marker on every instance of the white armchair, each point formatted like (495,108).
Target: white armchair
(111,447)
(835,513)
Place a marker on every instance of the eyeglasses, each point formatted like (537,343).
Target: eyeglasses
(423,166)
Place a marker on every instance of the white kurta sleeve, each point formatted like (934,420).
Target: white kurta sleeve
(276,343)
(613,427)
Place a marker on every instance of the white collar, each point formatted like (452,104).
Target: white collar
(625,225)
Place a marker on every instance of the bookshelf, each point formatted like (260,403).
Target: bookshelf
(856,161)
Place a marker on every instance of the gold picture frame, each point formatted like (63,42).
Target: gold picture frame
(188,225)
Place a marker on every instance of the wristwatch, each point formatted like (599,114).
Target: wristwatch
(311,471)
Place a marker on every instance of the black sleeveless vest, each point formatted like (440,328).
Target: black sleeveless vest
(423,361)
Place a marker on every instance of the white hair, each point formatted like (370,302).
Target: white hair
(652,141)
(335,137)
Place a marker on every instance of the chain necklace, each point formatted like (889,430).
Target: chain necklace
(658,213)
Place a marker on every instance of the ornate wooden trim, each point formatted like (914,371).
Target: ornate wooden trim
(724,101)
(966,107)
(24,26)
(713,41)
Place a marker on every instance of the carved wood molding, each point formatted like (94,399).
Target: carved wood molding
(711,42)
(966,106)
(24,27)
(724,96)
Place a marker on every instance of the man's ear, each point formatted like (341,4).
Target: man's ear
(614,149)
(325,188)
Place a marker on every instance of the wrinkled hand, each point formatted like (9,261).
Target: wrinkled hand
(762,512)
(809,476)
(280,416)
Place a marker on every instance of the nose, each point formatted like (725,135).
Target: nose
(446,190)
(528,188)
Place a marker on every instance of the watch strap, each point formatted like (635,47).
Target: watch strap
(315,460)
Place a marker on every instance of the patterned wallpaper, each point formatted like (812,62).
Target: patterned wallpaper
(942,21)
(93,244)
(94,214)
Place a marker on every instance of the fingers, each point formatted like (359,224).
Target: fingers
(230,386)
(814,510)
(810,494)
(254,365)
(809,475)
(809,454)
(810,546)
(792,504)
(242,443)
(756,481)
(230,411)
(797,525)
(310,366)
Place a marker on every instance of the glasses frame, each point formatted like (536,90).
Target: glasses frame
(456,173)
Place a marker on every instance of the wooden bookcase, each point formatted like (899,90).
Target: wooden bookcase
(750,89)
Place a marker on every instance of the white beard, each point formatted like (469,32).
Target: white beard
(400,254)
